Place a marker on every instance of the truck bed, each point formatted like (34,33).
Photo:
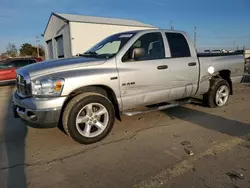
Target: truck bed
(233,62)
(218,54)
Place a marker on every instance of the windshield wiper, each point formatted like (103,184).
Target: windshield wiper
(107,56)
(89,54)
(94,54)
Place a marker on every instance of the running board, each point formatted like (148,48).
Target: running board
(163,107)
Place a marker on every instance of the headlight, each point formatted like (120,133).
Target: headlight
(47,87)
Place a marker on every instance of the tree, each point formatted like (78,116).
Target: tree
(11,50)
(27,49)
(3,56)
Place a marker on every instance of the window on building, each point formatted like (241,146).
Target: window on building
(50,49)
(59,46)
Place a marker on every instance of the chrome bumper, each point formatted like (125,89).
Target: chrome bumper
(38,112)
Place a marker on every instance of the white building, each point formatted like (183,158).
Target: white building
(67,34)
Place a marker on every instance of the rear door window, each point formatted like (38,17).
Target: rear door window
(178,45)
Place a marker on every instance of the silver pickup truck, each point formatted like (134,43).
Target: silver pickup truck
(119,75)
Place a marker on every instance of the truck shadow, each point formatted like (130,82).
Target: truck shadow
(14,132)
(210,121)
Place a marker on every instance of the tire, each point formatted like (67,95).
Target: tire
(80,104)
(210,97)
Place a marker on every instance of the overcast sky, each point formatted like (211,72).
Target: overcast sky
(220,23)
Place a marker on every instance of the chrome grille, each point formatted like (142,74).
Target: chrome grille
(21,86)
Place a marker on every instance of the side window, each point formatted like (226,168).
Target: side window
(178,45)
(32,61)
(9,64)
(15,63)
(21,63)
(152,45)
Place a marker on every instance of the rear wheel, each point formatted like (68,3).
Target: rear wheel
(88,117)
(218,93)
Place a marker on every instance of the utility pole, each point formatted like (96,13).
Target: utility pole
(37,46)
(195,38)
(171,25)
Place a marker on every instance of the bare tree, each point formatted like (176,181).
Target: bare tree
(3,56)
(11,50)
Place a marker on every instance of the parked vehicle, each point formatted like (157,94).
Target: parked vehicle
(124,71)
(8,68)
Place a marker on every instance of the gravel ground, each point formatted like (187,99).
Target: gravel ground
(150,150)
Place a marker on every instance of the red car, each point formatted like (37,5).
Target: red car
(8,68)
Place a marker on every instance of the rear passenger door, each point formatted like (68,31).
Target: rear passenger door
(183,66)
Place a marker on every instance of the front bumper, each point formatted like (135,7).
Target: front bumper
(38,112)
(7,82)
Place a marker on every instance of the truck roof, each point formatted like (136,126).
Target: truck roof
(156,30)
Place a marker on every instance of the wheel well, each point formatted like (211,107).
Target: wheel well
(104,90)
(226,75)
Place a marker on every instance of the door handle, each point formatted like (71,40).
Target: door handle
(162,67)
(192,64)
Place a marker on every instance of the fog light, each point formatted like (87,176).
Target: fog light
(32,116)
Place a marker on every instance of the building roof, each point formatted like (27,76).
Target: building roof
(101,20)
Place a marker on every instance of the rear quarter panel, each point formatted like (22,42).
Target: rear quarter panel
(233,63)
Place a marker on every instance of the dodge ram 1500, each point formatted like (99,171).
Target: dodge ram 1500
(123,72)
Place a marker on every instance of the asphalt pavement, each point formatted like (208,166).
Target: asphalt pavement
(189,146)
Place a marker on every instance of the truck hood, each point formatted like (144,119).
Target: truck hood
(59,65)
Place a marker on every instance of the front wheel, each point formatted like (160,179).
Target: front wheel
(218,93)
(88,117)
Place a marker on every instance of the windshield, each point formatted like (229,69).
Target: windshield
(110,46)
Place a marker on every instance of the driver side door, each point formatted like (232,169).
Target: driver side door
(145,80)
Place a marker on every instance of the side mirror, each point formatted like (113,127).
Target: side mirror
(138,53)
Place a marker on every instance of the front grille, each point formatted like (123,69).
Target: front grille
(21,86)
